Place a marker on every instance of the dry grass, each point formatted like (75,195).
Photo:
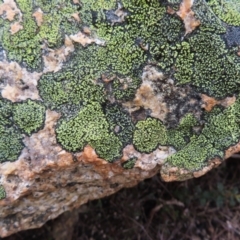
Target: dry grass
(204,208)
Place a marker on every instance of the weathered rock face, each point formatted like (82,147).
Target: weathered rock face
(99,95)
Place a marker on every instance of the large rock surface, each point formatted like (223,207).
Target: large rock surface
(99,95)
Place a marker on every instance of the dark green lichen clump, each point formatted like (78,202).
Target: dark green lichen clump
(29,116)
(89,127)
(2,193)
(10,138)
(10,143)
(220,132)
(16,119)
(120,123)
(68,89)
(211,56)
(181,135)
(149,134)
(204,60)
(119,90)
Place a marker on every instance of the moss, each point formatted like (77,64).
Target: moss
(29,116)
(181,135)
(129,164)
(227,10)
(89,127)
(219,133)
(25,45)
(149,134)
(2,193)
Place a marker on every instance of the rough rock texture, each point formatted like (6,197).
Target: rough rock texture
(99,95)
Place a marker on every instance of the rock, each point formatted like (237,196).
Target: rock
(99,95)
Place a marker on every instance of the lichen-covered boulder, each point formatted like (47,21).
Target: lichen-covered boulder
(99,95)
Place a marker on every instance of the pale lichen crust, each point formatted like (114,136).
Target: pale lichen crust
(103,76)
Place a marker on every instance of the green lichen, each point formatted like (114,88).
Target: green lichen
(227,10)
(149,134)
(10,137)
(5,112)
(220,132)
(25,45)
(120,91)
(10,144)
(184,63)
(208,19)
(89,127)
(29,116)
(2,193)
(68,89)
(129,164)
(181,135)
(78,84)
(91,108)
(210,56)
(165,48)
(15,119)
(120,123)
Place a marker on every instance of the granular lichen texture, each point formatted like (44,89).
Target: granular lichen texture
(97,94)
